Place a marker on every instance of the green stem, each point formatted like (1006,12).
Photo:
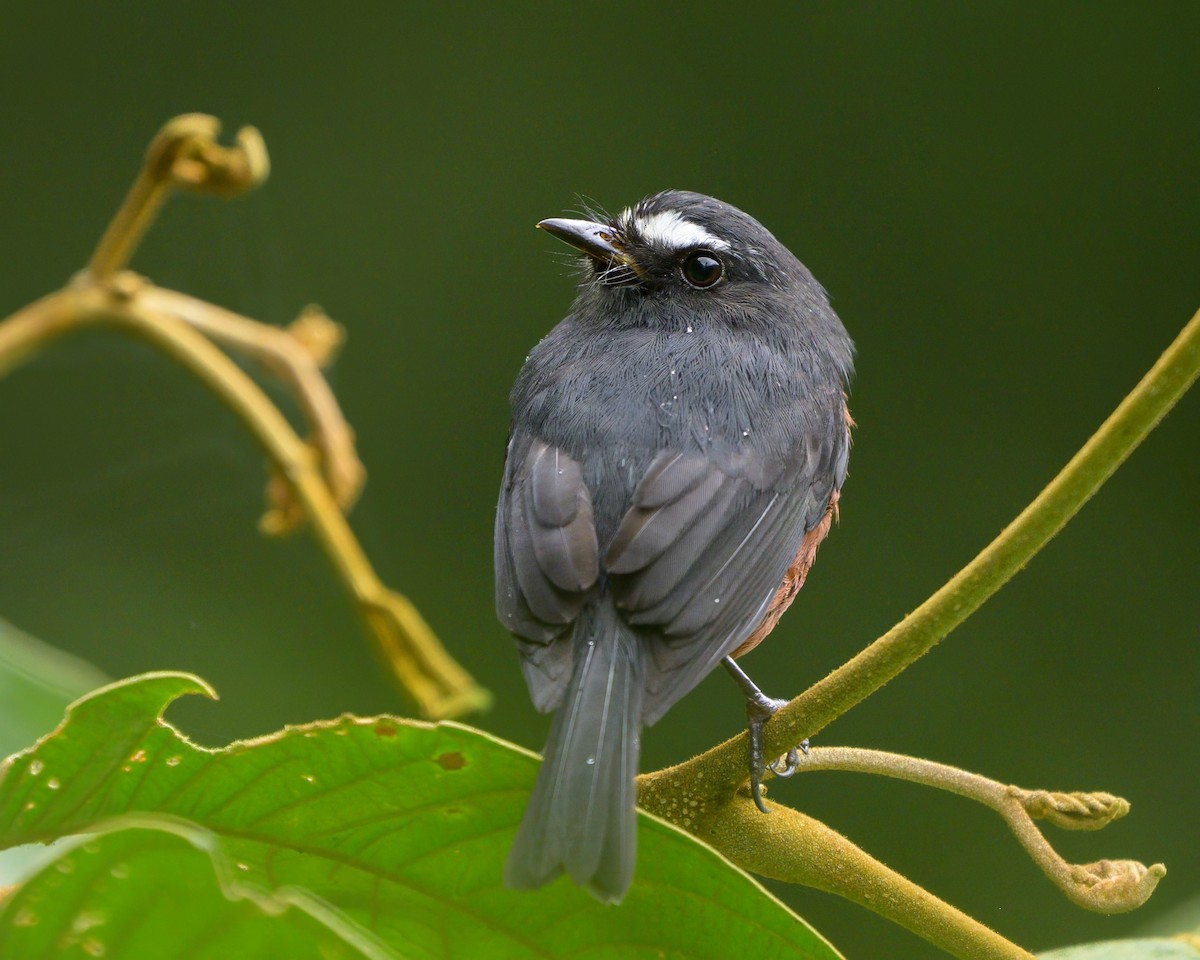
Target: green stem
(795,848)
(798,849)
(995,565)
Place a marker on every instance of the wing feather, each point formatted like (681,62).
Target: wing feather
(704,547)
(558,512)
(693,563)
(547,561)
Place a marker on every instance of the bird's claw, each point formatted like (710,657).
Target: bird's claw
(786,765)
(759,709)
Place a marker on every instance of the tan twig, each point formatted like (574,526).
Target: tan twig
(295,355)
(314,481)
(186,156)
(440,687)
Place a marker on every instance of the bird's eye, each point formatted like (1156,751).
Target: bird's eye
(702,269)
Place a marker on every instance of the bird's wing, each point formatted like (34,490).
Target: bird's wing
(547,560)
(704,547)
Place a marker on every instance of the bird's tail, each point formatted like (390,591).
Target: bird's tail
(580,816)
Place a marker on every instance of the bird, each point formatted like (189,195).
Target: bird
(677,448)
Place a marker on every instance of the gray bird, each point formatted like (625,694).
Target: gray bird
(677,447)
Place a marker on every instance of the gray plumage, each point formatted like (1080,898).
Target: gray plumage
(670,448)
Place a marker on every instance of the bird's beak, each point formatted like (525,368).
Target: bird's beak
(598,240)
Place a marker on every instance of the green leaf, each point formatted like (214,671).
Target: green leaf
(152,893)
(401,827)
(1126,950)
(36,682)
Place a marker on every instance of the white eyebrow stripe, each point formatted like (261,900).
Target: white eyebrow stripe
(672,231)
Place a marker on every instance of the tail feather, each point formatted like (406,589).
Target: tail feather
(581,816)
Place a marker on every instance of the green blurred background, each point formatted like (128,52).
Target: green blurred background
(1002,199)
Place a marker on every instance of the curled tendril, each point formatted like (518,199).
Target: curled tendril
(1072,811)
(1113,886)
(1106,886)
(186,154)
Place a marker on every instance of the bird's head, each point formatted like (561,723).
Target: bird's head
(678,240)
(681,258)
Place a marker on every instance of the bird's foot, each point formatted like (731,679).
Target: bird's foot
(759,709)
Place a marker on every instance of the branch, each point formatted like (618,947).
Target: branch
(313,481)
(185,155)
(295,355)
(724,767)
(795,848)
(705,795)
(440,687)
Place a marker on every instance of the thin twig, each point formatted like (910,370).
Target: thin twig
(1108,886)
(185,155)
(293,361)
(317,481)
(440,687)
